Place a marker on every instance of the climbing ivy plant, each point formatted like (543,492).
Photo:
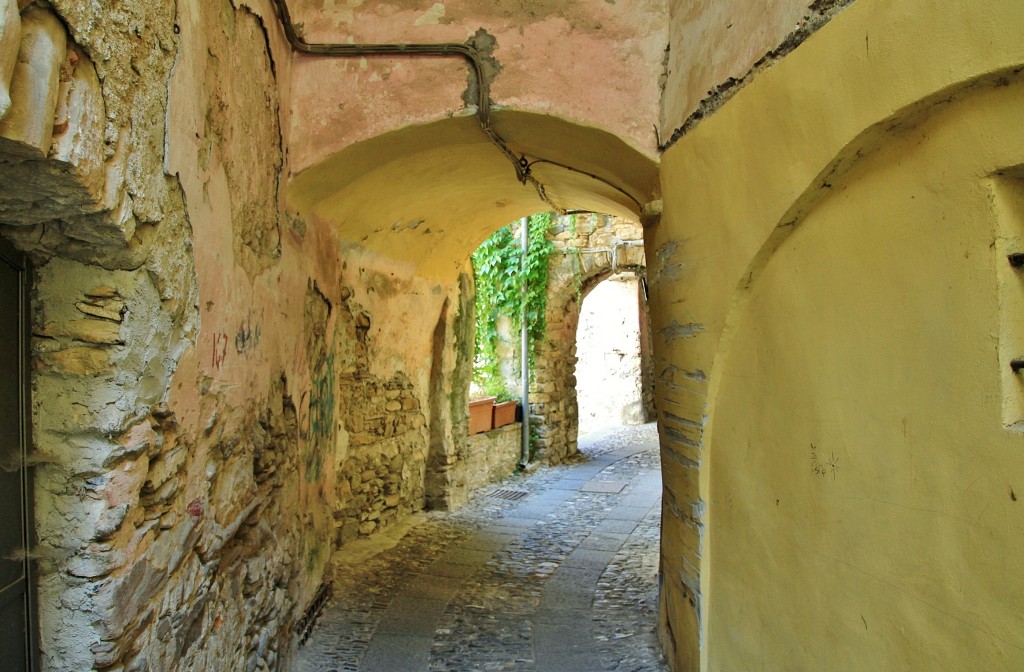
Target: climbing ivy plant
(499,271)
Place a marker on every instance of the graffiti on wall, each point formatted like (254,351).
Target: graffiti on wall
(220,350)
(824,466)
(247,337)
(320,354)
(321,402)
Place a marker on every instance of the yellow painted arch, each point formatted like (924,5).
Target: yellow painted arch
(430,194)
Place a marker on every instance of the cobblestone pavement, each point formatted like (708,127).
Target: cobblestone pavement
(554,571)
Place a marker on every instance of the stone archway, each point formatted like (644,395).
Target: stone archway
(455,190)
(611,388)
(587,251)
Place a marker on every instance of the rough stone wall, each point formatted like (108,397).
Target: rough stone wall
(401,375)
(489,457)
(180,509)
(381,476)
(221,393)
(113,310)
(402,426)
(588,249)
(446,486)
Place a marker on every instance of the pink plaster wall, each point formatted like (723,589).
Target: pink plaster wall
(596,62)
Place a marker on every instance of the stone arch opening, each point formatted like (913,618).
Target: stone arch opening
(587,253)
(424,197)
(428,195)
(612,355)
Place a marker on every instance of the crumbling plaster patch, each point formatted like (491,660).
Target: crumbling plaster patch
(733,45)
(242,106)
(126,40)
(384,362)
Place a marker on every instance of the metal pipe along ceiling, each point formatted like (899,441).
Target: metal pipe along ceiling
(483,110)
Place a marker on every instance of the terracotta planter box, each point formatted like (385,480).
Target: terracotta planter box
(504,413)
(480,415)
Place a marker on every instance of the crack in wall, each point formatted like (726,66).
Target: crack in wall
(821,12)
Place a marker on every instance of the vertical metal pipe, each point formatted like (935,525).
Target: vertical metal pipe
(524,454)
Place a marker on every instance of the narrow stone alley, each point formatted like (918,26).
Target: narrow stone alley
(555,571)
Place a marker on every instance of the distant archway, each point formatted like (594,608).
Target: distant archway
(602,246)
(610,355)
(429,195)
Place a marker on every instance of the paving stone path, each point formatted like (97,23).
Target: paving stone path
(555,571)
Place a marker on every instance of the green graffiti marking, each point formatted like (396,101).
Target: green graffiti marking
(321,416)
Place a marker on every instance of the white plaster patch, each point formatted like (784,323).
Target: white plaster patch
(432,16)
(343,14)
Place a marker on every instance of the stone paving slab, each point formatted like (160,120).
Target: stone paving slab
(609,487)
(604,541)
(438,588)
(465,556)
(641,500)
(396,653)
(633,513)
(414,616)
(537,511)
(505,530)
(612,525)
(564,580)
(509,521)
(488,540)
(446,569)
(551,497)
(587,558)
(570,484)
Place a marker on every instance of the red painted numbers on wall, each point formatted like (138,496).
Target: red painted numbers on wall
(220,349)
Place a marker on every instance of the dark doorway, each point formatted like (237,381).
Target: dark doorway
(17,646)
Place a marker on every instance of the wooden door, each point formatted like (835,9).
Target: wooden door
(17,648)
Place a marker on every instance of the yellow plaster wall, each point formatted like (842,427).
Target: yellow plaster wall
(863,489)
(713,40)
(841,490)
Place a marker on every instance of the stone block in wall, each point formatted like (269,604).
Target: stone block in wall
(10,41)
(78,124)
(53,156)
(27,128)
(604,239)
(490,456)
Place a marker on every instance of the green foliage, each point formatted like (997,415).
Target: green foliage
(577,261)
(499,271)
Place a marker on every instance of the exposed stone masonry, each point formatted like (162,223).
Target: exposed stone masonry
(381,473)
(154,529)
(588,249)
(382,478)
(488,457)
